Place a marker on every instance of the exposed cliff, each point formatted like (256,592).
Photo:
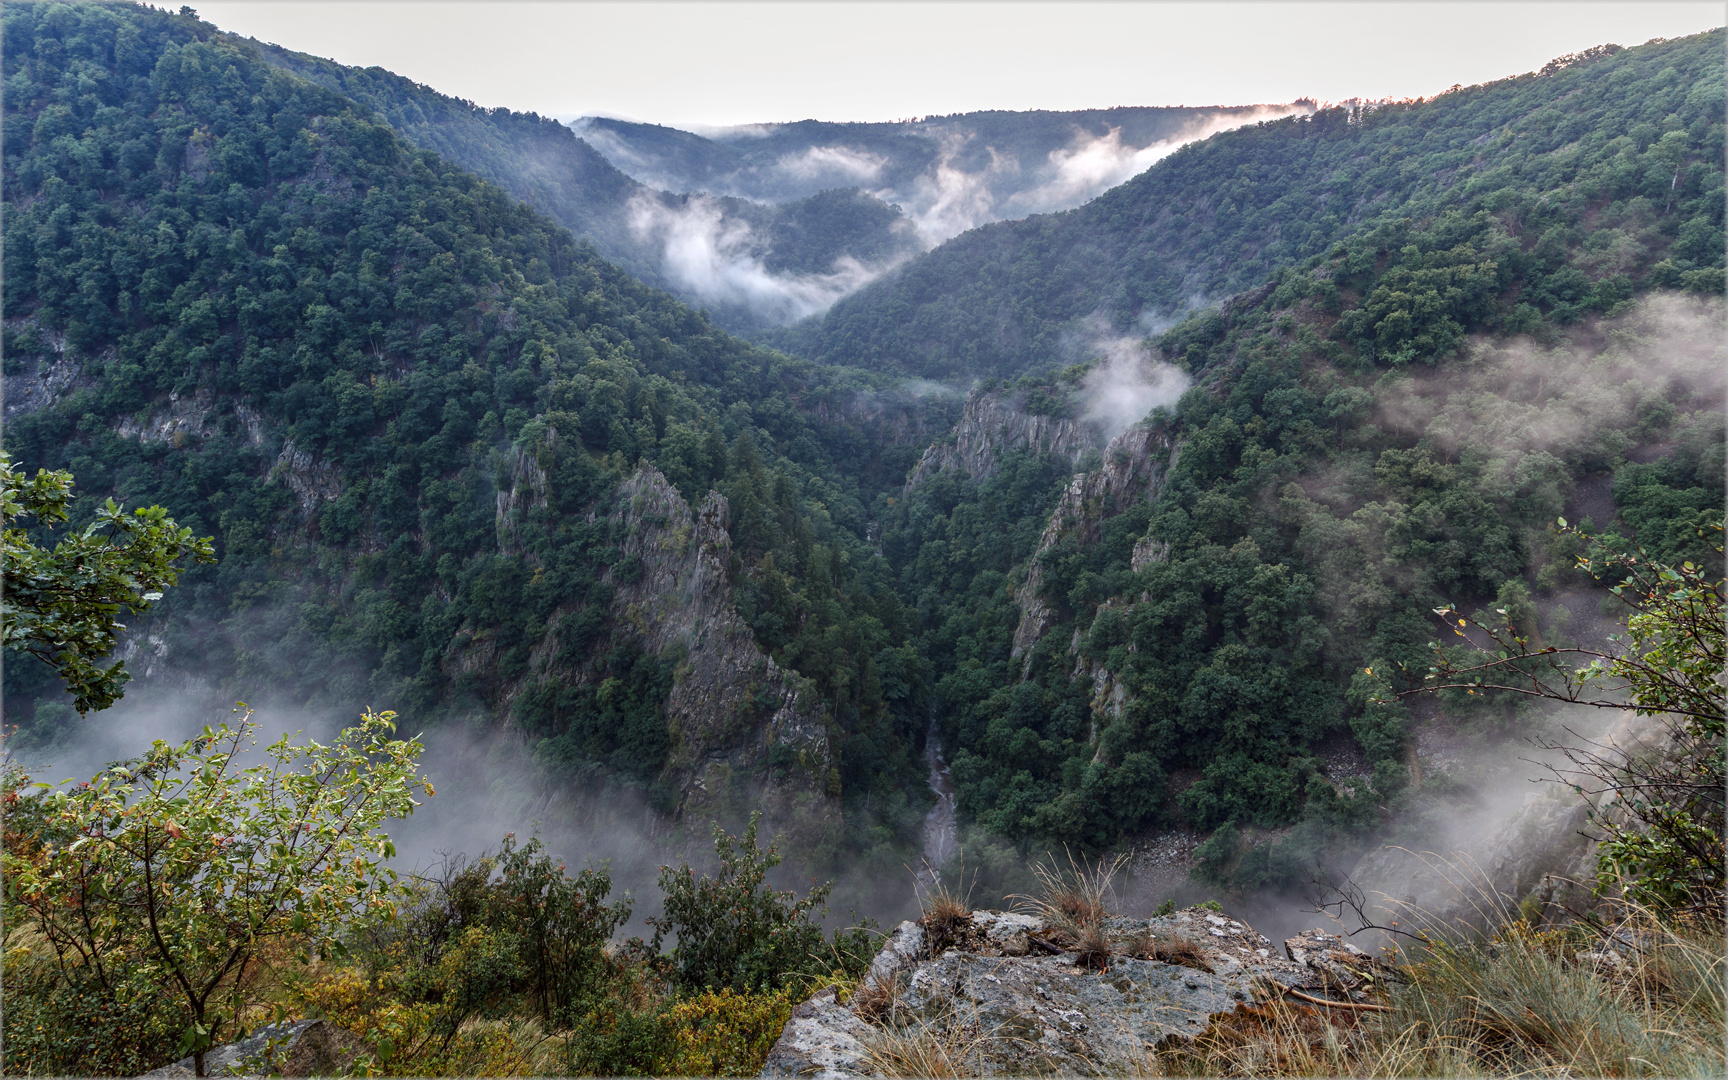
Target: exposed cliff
(1135,464)
(991,425)
(39,370)
(745,733)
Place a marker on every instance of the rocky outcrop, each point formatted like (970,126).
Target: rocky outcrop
(732,710)
(181,420)
(1134,466)
(311,476)
(45,373)
(991,425)
(524,493)
(1005,996)
(746,734)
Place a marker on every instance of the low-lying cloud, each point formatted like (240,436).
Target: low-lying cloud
(1519,397)
(1127,385)
(718,261)
(948,199)
(1095,164)
(832,166)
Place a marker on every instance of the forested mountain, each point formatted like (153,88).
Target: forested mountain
(458,465)
(750,263)
(533,157)
(949,173)
(404,403)
(1537,151)
(1389,426)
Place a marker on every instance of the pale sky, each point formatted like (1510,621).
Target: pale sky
(715,63)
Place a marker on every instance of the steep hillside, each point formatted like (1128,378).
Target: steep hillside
(1620,148)
(1180,635)
(751,264)
(458,465)
(1176,636)
(448,454)
(535,158)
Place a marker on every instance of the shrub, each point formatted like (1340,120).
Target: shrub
(724,1033)
(61,1022)
(735,931)
(178,877)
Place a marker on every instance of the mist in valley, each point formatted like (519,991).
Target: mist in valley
(944,176)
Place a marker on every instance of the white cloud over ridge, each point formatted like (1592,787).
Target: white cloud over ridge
(717,260)
(948,200)
(1127,385)
(835,165)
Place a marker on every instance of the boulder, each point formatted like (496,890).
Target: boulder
(1004,994)
(303,1048)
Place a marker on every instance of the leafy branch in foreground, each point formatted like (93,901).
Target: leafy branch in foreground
(60,604)
(1661,795)
(183,873)
(1668,662)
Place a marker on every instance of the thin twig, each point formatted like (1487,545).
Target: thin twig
(1360,1006)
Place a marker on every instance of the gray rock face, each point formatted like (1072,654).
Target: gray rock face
(823,1039)
(731,706)
(1134,466)
(990,426)
(732,709)
(259,1054)
(997,1002)
(303,1048)
(42,380)
(312,477)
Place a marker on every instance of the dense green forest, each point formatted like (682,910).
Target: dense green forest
(189,224)
(1606,169)
(535,158)
(544,163)
(276,311)
(1365,445)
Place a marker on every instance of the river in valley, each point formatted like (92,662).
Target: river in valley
(941,833)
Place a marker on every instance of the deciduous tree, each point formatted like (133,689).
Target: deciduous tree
(61,605)
(185,870)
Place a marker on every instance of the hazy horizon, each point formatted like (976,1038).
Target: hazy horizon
(709,65)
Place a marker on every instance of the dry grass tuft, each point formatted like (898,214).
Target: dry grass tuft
(946,914)
(1645,998)
(1170,949)
(925,1051)
(872,1002)
(944,911)
(1094,946)
(1074,897)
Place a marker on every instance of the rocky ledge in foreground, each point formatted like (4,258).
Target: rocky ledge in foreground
(999,993)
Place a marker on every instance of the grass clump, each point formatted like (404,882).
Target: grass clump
(945,914)
(1072,897)
(926,1051)
(1074,901)
(1166,948)
(1645,998)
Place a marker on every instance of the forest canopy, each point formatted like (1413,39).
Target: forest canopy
(404,404)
